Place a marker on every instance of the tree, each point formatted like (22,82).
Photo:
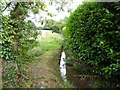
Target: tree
(16,38)
(56,26)
(16,34)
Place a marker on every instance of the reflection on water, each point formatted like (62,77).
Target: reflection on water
(63,66)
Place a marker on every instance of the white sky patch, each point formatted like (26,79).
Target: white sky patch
(62,14)
(51,9)
(59,15)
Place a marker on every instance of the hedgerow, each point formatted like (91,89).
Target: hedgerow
(93,35)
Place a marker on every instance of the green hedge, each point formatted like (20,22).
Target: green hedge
(93,35)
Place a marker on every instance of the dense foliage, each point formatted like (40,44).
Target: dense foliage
(56,26)
(17,36)
(93,35)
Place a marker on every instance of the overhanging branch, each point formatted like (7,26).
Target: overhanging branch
(6,6)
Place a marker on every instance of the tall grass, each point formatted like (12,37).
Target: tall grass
(68,84)
(49,43)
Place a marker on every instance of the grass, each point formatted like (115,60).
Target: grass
(67,84)
(53,77)
(50,44)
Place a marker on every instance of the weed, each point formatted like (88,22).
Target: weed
(54,78)
(67,84)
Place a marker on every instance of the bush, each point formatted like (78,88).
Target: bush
(93,35)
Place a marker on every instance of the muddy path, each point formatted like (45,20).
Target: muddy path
(45,73)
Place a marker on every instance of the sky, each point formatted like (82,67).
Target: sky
(61,14)
(52,9)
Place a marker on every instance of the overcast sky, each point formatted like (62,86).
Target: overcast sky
(52,9)
(62,14)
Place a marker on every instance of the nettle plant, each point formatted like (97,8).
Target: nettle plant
(93,35)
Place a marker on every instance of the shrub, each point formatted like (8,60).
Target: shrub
(94,36)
